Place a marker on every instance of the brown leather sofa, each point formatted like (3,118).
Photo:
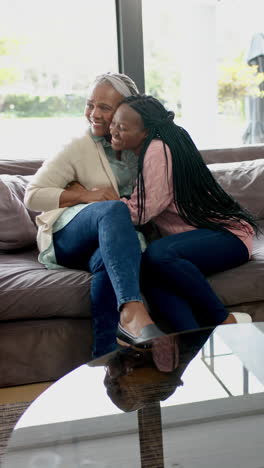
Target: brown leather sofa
(45,318)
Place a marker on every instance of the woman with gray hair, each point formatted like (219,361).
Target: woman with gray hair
(84,225)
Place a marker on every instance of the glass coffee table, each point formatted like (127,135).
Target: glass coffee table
(206,411)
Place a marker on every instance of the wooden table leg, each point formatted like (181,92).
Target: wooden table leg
(150,436)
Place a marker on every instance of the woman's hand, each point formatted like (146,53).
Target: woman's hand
(104,194)
(76,193)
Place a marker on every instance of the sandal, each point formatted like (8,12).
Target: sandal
(148,333)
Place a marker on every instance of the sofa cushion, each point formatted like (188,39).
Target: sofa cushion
(17,228)
(29,291)
(244,181)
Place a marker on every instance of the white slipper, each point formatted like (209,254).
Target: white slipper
(242,317)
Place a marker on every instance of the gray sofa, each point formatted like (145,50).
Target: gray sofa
(45,321)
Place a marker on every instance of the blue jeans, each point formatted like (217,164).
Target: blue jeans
(174,271)
(173,280)
(102,239)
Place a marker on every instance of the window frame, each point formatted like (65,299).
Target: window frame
(130,40)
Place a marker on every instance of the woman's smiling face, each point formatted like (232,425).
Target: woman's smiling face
(127,130)
(101,105)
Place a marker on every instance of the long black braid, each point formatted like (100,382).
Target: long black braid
(198,197)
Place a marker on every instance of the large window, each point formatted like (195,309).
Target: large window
(197,61)
(200,59)
(49,53)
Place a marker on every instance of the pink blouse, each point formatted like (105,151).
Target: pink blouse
(159,203)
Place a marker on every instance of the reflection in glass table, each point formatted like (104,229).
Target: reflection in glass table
(208,411)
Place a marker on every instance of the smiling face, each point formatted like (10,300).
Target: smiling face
(127,130)
(100,107)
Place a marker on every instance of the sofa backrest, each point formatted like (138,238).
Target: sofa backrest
(242,153)
(241,174)
(19,166)
(210,156)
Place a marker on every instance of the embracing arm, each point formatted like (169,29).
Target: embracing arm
(76,193)
(54,185)
(73,194)
(47,185)
(157,174)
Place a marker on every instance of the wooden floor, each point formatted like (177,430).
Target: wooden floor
(22,393)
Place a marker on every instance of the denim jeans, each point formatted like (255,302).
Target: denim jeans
(173,280)
(102,239)
(174,271)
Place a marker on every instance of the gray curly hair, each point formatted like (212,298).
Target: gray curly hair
(122,83)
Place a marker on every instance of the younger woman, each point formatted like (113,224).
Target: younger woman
(204,230)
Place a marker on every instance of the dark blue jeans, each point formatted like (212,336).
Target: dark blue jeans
(102,239)
(174,271)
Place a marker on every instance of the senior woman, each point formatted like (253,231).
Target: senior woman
(84,225)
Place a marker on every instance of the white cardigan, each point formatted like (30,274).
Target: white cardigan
(82,160)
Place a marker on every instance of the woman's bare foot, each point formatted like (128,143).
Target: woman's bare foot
(134,316)
(237,317)
(230,319)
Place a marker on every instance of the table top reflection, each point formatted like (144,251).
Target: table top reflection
(109,410)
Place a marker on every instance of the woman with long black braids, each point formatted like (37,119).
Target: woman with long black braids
(203,229)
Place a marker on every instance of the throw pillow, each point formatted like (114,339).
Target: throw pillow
(17,228)
(244,181)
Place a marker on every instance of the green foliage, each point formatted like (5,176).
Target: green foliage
(237,80)
(10,74)
(154,82)
(24,105)
(163,81)
(8,46)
